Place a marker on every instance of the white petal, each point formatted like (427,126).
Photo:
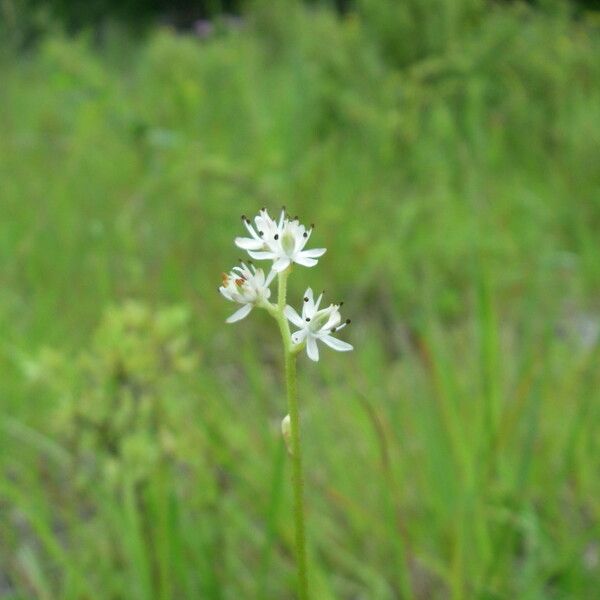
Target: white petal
(261,255)
(281,264)
(225,292)
(299,336)
(314,253)
(312,349)
(292,316)
(336,344)
(270,277)
(318,302)
(334,319)
(308,308)
(305,262)
(238,315)
(248,243)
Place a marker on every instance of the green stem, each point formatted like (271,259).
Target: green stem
(290,352)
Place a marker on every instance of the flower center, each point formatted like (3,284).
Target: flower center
(318,321)
(288,243)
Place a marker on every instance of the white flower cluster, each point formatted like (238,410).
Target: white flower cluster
(283,242)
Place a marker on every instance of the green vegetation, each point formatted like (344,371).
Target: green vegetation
(449,155)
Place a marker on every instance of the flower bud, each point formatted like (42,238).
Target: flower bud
(286,430)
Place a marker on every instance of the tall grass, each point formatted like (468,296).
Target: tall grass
(449,153)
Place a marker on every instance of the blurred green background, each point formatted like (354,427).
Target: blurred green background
(448,152)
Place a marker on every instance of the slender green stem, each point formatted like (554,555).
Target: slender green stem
(289,353)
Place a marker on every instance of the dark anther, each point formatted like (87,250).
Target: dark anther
(341,303)
(248,221)
(312,225)
(305,298)
(333,330)
(307,319)
(305,234)
(243,217)
(276,236)
(348,321)
(261,233)
(296,218)
(263,208)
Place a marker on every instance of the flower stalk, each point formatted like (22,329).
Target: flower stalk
(290,352)
(283,242)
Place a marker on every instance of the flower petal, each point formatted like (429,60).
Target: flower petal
(336,344)
(270,277)
(308,308)
(312,349)
(261,255)
(305,262)
(299,336)
(238,315)
(314,253)
(248,243)
(292,316)
(281,264)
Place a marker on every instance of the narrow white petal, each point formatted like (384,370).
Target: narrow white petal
(314,253)
(281,264)
(305,262)
(292,316)
(238,315)
(318,302)
(336,344)
(312,349)
(225,292)
(299,336)
(261,255)
(334,319)
(248,243)
(270,277)
(308,308)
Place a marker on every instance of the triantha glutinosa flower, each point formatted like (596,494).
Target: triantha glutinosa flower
(317,325)
(248,286)
(281,241)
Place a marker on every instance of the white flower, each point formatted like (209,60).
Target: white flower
(247,286)
(315,324)
(281,242)
(263,236)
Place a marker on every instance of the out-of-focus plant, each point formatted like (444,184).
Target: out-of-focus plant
(121,398)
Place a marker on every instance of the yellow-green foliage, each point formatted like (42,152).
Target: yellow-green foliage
(123,400)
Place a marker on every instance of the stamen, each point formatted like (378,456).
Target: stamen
(333,330)
(307,319)
(261,233)
(305,298)
(348,321)
(248,221)
(305,234)
(243,217)
(276,236)
(263,208)
(312,225)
